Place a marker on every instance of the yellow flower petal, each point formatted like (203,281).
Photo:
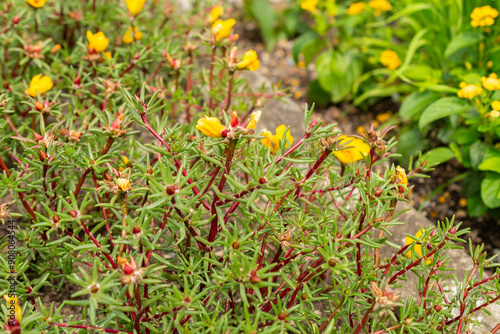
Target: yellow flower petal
(210,126)
(357,152)
(39,84)
(135,6)
(417,248)
(222,29)
(215,13)
(36,3)
(97,42)
(390,59)
(254,119)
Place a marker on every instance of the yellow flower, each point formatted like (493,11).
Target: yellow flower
(384,117)
(13,304)
(108,55)
(360,129)
(215,13)
(495,105)
(469,91)
(401,174)
(222,29)
(97,42)
(380,6)
(309,5)
(274,141)
(131,36)
(124,164)
(210,126)
(356,8)
(254,119)
(39,84)
(135,6)
(483,16)
(357,152)
(491,82)
(36,3)
(418,248)
(249,61)
(390,59)
(123,184)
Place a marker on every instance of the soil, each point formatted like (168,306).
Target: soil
(280,68)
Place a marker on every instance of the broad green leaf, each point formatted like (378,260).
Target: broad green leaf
(477,152)
(442,108)
(490,190)
(264,14)
(438,156)
(415,103)
(491,164)
(461,41)
(475,205)
(308,44)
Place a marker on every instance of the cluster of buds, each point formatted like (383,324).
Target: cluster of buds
(44,107)
(116,127)
(376,137)
(211,126)
(73,136)
(383,298)
(130,271)
(33,50)
(110,86)
(47,139)
(284,239)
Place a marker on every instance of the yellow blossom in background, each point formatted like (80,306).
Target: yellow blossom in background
(401,174)
(491,82)
(36,3)
(384,117)
(39,84)
(495,105)
(249,61)
(357,149)
(494,114)
(215,13)
(130,35)
(210,126)
(17,309)
(97,42)
(360,129)
(108,55)
(356,8)
(125,163)
(123,184)
(380,6)
(469,91)
(390,59)
(135,6)
(254,119)
(483,16)
(274,141)
(309,5)
(417,248)
(222,29)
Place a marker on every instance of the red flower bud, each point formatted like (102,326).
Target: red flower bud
(234,120)
(262,180)
(378,192)
(254,279)
(439,264)
(127,269)
(42,156)
(401,189)
(117,173)
(56,219)
(304,296)
(433,233)
(77,81)
(136,229)
(438,308)
(171,190)
(38,137)
(136,56)
(73,213)
(332,262)
(236,245)
(453,230)
(224,133)
(16,20)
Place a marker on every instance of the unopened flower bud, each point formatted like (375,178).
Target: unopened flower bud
(56,219)
(224,133)
(401,189)
(438,308)
(77,81)
(136,56)
(42,156)
(439,264)
(262,180)
(38,106)
(150,170)
(282,315)
(429,246)
(433,233)
(304,296)
(94,288)
(38,137)
(332,262)
(234,120)
(136,229)
(378,192)
(236,245)
(408,321)
(171,190)
(16,20)
(73,213)
(254,279)
(453,230)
